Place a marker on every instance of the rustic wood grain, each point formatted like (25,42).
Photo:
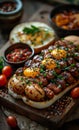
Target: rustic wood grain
(3,123)
(30,8)
(48,116)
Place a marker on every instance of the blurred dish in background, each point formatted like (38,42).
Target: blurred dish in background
(67,20)
(38,35)
(64,19)
(10,13)
(62,1)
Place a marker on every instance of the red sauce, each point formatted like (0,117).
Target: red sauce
(18,55)
(7,6)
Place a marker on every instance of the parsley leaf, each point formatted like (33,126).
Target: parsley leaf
(31,30)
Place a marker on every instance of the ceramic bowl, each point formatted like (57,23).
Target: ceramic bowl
(10,13)
(11,53)
(62,32)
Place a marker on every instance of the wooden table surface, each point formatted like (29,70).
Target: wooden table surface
(30,8)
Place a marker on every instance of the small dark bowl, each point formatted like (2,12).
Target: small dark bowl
(16,46)
(60,32)
(8,17)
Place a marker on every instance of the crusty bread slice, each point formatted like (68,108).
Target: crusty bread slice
(43,104)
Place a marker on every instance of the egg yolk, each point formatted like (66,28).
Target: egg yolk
(31,72)
(49,63)
(59,53)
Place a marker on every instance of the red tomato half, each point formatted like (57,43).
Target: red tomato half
(75,92)
(11,120)
(7,70)
(3,80)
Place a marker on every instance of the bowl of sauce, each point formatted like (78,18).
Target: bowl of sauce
(10,13)
(18,53)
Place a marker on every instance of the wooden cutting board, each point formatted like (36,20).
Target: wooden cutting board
(54,115)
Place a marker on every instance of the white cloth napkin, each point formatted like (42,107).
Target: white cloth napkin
(24,123)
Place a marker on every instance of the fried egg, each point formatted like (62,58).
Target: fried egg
(49,63)
(31,72)
(59,53)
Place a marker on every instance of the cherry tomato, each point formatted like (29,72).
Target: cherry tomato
(7,70)
(3,80)
(75,92)
(11,120)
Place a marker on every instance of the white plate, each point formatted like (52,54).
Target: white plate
(14,37)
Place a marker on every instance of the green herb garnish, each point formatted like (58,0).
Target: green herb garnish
(67,68)
(31,30)
(71,42)
(53,80)
(65,59)
(40,83)
(50,50)
(60,76)
(42,66)
(44,74)
(58,65)
(66,49)
(22,79)
(67,84)
(28,81)
(75,54)
(1,63)
(72,65)
(62,38)
(59,86)
(54,73)
(41,70)
(77,48)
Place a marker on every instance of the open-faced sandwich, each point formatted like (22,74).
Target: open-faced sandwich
(38,35)
(48,76)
